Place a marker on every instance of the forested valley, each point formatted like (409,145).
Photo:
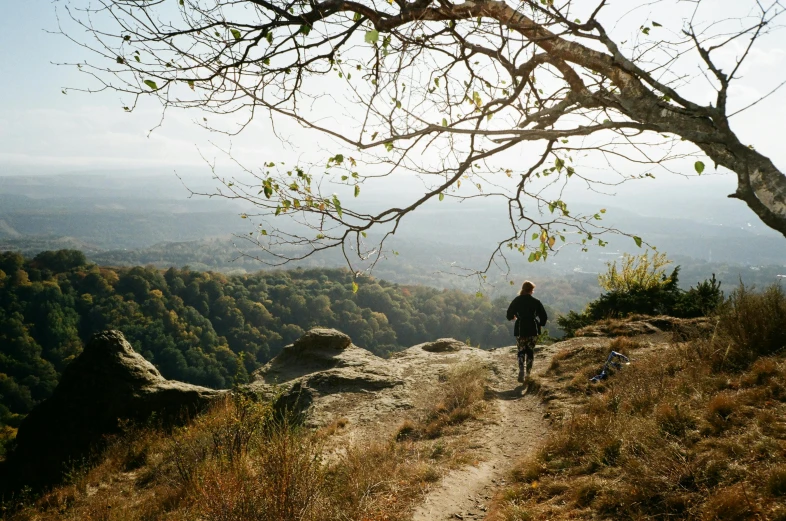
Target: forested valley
(208,328)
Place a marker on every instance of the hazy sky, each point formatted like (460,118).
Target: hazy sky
(43,130)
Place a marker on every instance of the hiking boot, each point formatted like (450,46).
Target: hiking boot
(521,376)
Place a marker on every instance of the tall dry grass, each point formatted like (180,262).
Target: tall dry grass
(241,461)
(458,398)
(751,325)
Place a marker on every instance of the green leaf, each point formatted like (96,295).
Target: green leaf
(269,37)
(645,30)
(478,295)
(151,84)
(356,18)
(236,34)
(354,287)
(337,204)
(531,257)
(305,29)
(398,104)
(339,158)
(191,84)
(357,190)
(699,166)
(441,196)
(136,57)
(263,232)
(656,24)
(120,60)
(363,234)
(637,240)
(444,122)
(372,36)
(389,146)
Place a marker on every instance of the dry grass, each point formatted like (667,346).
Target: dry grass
(460,397)
(336,427)
(240,461)
(695,431)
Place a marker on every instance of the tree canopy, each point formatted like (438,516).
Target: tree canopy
(451,92)
(207,328)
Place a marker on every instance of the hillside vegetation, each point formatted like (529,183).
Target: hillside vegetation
(207,328)
(693,428)
(690,430)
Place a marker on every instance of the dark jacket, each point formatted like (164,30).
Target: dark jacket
(529,313)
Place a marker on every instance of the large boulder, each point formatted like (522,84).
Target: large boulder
(444,345)
(319,349)
(107,385)
(322,363)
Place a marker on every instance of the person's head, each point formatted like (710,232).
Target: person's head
(527,288)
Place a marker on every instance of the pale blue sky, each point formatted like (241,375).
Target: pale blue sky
(42,130)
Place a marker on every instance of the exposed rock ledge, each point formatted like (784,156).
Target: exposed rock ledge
(108,383)
(320,377)
(635,325)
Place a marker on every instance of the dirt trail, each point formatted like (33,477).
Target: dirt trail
(519,428)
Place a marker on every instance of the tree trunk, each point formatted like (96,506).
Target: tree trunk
(759,183)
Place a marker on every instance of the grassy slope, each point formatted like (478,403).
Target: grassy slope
(690,430)
(239,462)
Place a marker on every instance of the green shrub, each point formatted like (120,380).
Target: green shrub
(647,290)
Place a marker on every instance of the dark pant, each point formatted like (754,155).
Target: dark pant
(526,346)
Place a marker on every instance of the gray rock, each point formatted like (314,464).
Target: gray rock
(106,385)
(444,345)
(317,350)
(293,404)
(322,341)
(351,380)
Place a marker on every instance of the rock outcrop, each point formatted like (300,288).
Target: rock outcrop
(106,385)
(323,376)
(637,325)
(320,377)
(326,360)
(443,345)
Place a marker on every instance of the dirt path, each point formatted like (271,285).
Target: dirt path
(518,429)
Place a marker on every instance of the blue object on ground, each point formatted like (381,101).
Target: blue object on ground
(615,360)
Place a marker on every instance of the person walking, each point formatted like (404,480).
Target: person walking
(530,316)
